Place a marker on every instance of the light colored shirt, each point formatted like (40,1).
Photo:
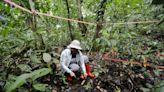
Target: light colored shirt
(66,58)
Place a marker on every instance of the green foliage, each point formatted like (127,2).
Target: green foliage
(25,67)
(16,33)
(88,86)
(41,72)
(34,59)
(63,78)
(40,87)
(46,57)
(20,80)
(98,70)
(158,87)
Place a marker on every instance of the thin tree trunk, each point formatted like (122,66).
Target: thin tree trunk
(82,26)
(39,39)
(100,19)
(69,23)
(33,19)
(34,24)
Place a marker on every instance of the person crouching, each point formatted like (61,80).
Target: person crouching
(74,63)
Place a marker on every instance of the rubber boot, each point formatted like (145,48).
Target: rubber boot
(88,69)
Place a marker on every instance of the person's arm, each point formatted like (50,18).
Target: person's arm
(63,60)
(82,62)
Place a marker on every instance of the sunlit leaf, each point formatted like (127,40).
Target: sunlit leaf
(117,89)
(25,67)
(46,57)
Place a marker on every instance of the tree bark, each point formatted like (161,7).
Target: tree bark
(69,23)
(100,19)
(82,26)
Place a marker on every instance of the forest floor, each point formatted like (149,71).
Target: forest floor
(109,76)
(115,77)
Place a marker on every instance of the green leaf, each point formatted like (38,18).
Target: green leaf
(63,78)
(161,89)
(25,67)
(12,77)
(5,32)
(56,61)
(88,86)
(22,89)
(46,57)
(113,42)
(157,71)
(34,59)
(149,85)
(38,73)
(159,86)
(40,87)
(20,80)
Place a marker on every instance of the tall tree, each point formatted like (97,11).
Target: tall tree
(100,18)
(69,23)
(82,26)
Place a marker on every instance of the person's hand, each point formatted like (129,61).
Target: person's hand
(72,74)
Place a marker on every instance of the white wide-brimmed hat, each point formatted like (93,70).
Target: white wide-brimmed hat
(75,44)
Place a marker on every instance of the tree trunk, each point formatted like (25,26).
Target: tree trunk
(69,23)
(82,26)
(33,19)
(100,19)
(33,23)
(39,40)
